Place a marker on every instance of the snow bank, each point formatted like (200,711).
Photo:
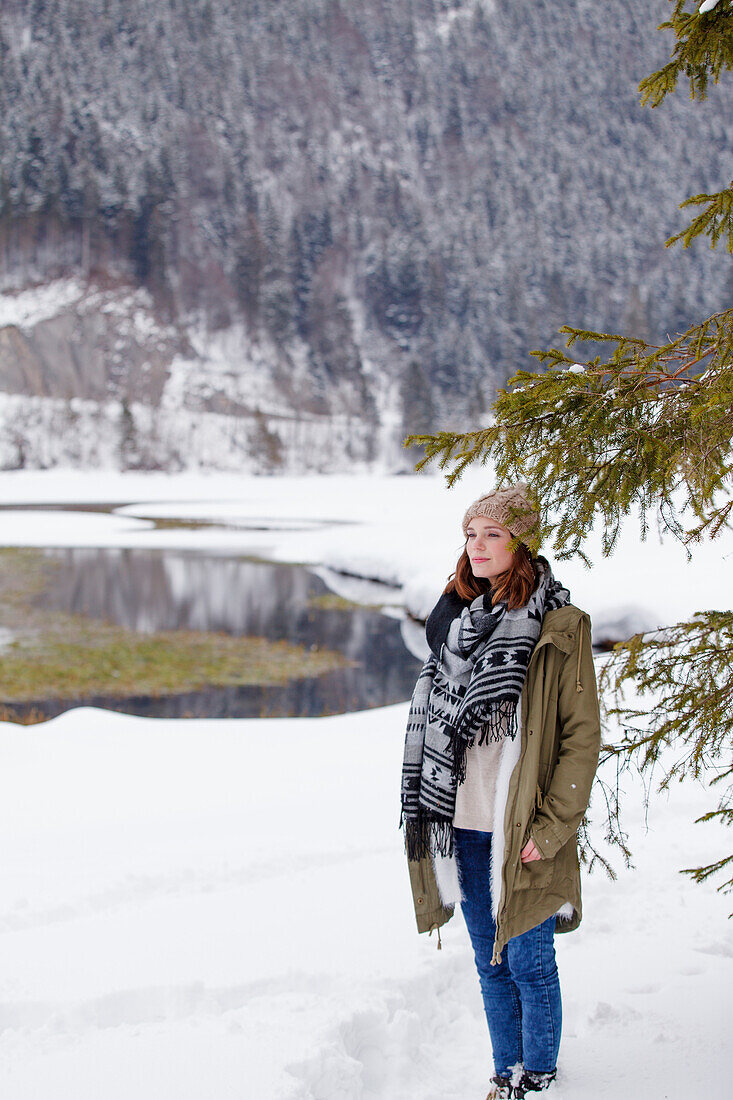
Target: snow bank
(221,908)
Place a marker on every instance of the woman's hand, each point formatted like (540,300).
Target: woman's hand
(529,852)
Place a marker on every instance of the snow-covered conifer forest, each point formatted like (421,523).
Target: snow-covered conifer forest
(273,235)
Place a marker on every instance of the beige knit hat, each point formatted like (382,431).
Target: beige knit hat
(512,507)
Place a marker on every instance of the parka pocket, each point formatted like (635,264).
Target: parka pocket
(535,875)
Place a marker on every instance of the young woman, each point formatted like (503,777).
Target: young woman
(501,749)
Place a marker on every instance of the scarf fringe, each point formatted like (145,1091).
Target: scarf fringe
(492,723)
(426,836)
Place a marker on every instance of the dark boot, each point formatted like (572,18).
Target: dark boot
(534,1082)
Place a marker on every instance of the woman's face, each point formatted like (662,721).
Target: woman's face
(487,545)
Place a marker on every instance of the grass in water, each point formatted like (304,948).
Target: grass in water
(63,656)
(329,601)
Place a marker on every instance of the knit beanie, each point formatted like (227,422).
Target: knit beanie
(512,507)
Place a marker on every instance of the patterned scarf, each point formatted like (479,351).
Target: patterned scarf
(471,691)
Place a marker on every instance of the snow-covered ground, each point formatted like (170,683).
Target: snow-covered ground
(196,909)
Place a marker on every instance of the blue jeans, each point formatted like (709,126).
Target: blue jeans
(522,993)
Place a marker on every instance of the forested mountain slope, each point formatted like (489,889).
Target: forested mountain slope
(356,214)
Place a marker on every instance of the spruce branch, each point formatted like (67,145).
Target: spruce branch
(715,221)
(686,671)
(700,874)
(703,49)
(651,432)
(613,833)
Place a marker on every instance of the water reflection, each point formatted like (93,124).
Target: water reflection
(147,590)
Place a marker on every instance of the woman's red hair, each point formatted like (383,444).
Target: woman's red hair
(514,586)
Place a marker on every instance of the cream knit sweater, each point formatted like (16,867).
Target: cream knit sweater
(475,796)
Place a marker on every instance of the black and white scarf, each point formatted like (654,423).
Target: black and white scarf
(471,691)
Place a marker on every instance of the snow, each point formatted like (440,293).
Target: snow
(464,11)
(32,306)
(707,5)
(201,908)
(37,432)
(226,362)
(172,928)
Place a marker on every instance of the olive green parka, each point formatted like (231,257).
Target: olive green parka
(544,794)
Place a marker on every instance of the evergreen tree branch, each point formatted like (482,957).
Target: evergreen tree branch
(715,221)
(686,673)
(650,433)
(700,874)
(613,833)
(703,49)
